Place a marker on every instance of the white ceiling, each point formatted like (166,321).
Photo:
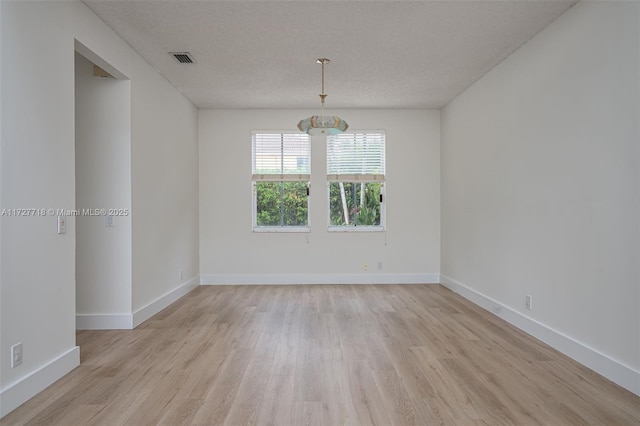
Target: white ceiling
(384,54)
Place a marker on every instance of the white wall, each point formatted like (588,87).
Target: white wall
(37,265)
(540,188)
(231,253)
(37,171)
(165,189)
(103,181)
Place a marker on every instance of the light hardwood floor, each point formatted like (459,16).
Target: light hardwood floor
(325,355)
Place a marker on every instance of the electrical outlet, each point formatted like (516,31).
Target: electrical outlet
(528,301)
(365,266)
(16,355)
(380,266)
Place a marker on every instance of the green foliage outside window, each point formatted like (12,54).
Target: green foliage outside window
(282,204)
(354,203)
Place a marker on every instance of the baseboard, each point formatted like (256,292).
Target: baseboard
(130,321)
(613,370)
(286,279)
(104,322)
(149,310)
(27,387)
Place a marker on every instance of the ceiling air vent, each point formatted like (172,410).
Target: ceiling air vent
(183,57)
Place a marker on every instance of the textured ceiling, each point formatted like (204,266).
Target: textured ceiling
(384,54)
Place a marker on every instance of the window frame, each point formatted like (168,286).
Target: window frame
(359,178)
(358,228)
(257,177)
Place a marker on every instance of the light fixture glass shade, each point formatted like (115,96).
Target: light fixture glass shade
(316,125)
(320,124)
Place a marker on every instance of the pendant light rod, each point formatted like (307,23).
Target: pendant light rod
(322,61)
(321,125)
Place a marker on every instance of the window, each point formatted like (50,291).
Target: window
(281,169)
(355,175)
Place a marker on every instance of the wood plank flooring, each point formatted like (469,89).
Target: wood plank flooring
(325,355)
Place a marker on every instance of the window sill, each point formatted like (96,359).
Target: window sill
(281,229)
(362,228)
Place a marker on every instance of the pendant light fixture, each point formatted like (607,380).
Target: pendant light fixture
(322,125)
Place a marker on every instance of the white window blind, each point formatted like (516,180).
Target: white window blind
(281,157)
(356,157)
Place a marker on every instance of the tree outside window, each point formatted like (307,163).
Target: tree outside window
(281,167)
(356,174)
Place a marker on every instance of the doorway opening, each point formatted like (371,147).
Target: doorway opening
(103,193)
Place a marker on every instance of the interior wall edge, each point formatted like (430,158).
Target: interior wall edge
(602,364)
(29,386)
(104,321)
(162,302)
(292,279)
